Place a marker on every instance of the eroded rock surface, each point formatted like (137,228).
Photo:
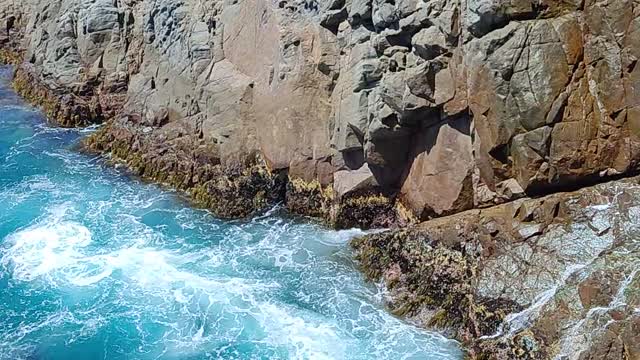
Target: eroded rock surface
(448,105)
(550,278)
(380,113)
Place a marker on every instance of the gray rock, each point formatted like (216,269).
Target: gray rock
(430,43)
(349,181)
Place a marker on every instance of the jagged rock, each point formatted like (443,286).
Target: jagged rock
(332,18)
(439,181)
(268,77)
(547,278)
(384,14)
(352,122)
(363,91)
(529,151)
(349,181)
(429,43)
(360,11)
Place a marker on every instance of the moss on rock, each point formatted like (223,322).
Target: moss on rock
(309,198)
(366,209)
(9,56)
(431,281)
(63,109)
(229,192)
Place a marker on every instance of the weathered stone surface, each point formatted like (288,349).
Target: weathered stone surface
(440,179)
(548,88)
(349,181)
(555,277)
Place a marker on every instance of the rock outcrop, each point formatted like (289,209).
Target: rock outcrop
(435,106)
(551,278)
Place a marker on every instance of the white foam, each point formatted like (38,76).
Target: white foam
(305,339)
(42,249)
(19,107)
(178,286)
(341,237)
(55,249)
(89,129)
(86,280)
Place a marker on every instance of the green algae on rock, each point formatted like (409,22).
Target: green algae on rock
(188,163)
(62,108)
(533,279)
(65,110)
(9,56)
(364,209)
(309,198)
(191,165)
(431,282)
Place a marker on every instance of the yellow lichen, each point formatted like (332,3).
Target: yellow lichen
(404,214)
(10,57)
(367,200)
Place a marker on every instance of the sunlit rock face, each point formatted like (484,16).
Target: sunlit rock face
(447,105)
(551,278)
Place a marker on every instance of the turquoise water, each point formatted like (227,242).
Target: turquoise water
(96,265)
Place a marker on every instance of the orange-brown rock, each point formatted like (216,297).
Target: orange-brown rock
(548,278)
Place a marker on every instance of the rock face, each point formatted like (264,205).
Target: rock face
(550,278)
(436,106)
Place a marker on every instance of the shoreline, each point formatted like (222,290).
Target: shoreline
(501,149)
(441,317)
(78,229)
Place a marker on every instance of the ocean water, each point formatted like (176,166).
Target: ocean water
(97,265)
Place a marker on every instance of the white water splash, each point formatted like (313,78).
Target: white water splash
(42,249)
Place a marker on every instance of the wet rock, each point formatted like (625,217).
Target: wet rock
(65,110)
(536,279)
(191,165)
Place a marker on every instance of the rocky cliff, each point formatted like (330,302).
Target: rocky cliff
(369,113)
